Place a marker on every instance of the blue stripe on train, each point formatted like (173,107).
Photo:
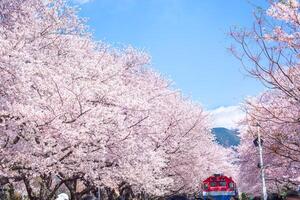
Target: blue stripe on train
(219,197)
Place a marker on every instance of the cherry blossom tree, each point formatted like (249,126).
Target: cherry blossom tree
(281,144)
(270,53)
(76,112)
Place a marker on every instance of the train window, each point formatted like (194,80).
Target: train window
(231,185)
(222,183)
(205,186)
(213,184)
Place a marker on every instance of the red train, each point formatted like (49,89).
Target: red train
(219,187)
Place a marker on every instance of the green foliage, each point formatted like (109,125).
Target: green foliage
(10,194)
(244,196)
(15,196)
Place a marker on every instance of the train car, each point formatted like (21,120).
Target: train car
(219,187)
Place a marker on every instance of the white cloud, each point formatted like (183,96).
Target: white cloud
(227,117)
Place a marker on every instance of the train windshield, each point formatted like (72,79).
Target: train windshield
(222,183)
(213,184)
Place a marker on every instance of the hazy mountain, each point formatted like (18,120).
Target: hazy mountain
(226,137)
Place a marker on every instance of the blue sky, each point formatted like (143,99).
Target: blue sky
(187,40)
